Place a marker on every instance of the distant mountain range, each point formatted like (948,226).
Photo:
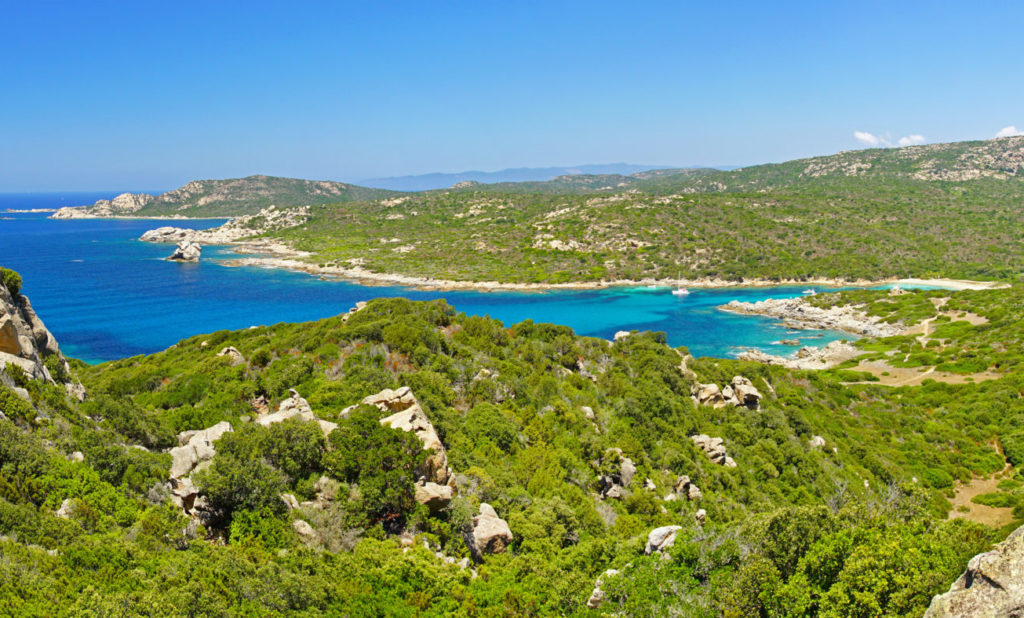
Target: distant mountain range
(426,182)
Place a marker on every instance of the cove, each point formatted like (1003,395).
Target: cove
(105,295)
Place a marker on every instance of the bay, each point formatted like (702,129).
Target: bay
(105,295)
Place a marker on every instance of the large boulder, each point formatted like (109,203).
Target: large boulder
(660,539)
(186,251)
(435,497)
(233,353)
(621,471)
(195,448)
(407,415)
(490,535)
(992,585)
(744,393)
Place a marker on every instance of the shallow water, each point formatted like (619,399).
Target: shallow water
(105,295)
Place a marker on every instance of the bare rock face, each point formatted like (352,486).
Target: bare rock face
(195,448)
(817,442)
(186,251)
(660,539)
(409,416)
(491,534)
(26,343)
(992,585)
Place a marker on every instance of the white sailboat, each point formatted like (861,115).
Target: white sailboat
(680,290)
(810,291)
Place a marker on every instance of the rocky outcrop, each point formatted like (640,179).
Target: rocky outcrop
(295,406)
(685,488)
(740,392)
(26,343)
(186,251)
(267,220)
(660,539)
(816,442)
(620,471)
(123,205)
(807,357)
(597,596)
(407,415)
(435,497)
(992,585)
(195,448)
(798,313)
(490,534)
(232,353)
(715,450)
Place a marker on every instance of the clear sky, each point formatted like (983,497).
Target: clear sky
(149,95)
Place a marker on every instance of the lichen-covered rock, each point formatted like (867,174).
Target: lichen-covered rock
(992,585)
(295,406)
(817,442)
(597,596)
(715,450)
(744,393)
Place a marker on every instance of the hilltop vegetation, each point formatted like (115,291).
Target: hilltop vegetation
(836,506)
(876,214)
(222,198)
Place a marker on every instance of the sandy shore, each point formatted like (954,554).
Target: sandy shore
(283,258)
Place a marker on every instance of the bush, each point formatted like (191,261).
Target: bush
(11,280)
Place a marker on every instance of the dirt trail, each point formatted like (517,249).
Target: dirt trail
(996,517)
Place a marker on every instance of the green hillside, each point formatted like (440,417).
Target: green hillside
(837,504)
(950,210)
(235,196)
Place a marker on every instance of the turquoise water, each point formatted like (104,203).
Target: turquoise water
(105,295)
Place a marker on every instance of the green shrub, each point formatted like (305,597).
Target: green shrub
(11,280)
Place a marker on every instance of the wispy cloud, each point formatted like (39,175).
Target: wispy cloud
(1010,131)
(870,139)
(866,138)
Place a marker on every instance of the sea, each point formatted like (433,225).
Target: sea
(105,295)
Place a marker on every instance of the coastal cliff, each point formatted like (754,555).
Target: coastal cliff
(25,342)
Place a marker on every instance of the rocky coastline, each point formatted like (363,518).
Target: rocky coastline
(797,313)
(807,357)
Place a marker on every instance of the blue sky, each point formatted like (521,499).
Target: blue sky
(146,95)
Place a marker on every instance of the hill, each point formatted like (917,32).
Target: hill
(426,182)
(868,215)
(219,198)
(562,472)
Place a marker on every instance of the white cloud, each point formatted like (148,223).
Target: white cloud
(866,138)
(1010,131)
(885,139)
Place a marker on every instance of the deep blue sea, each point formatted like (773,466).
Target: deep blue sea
(105,295)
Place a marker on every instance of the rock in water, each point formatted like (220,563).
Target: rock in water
(187,251)
(992,585)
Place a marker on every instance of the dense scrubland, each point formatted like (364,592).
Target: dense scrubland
(942,210)
(838,504)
